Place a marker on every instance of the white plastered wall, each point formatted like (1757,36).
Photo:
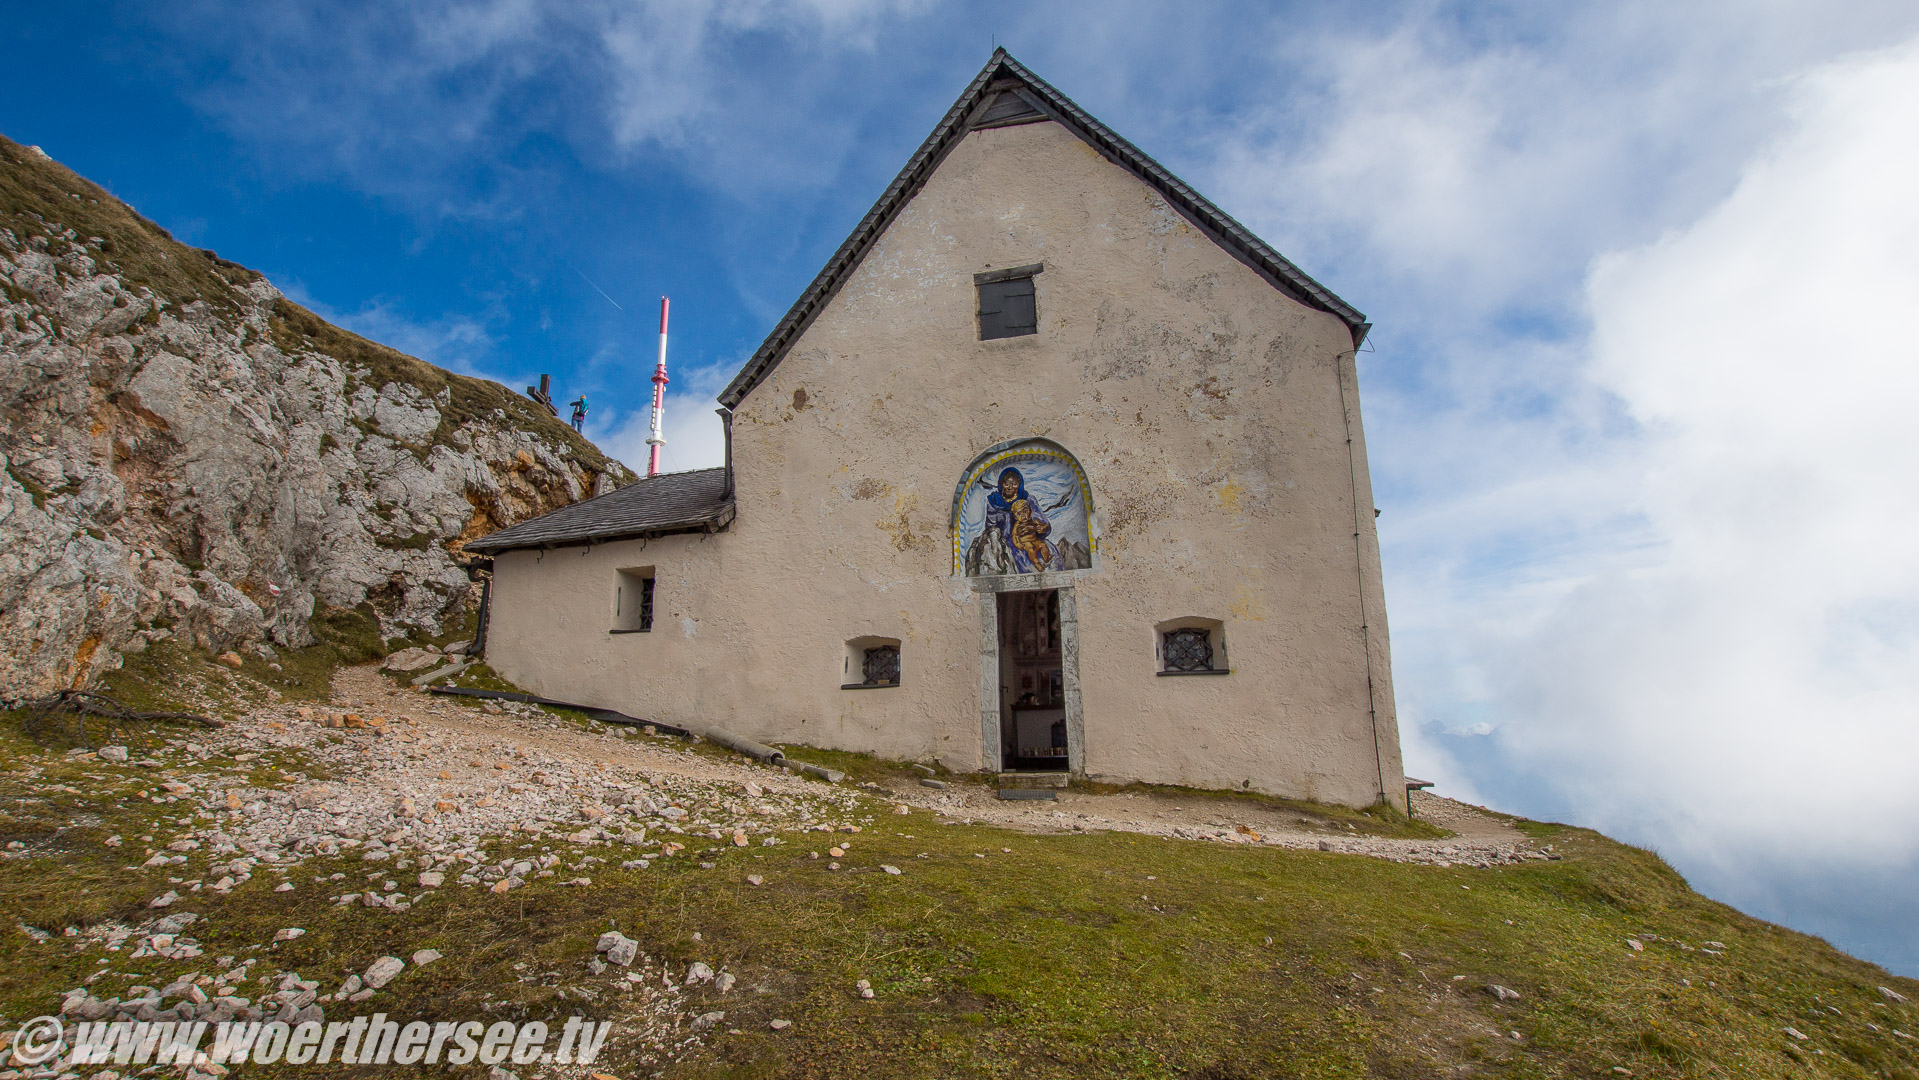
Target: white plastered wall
(1211,413)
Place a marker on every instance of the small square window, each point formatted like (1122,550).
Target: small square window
(1189,649)
(882,666)
(1007,308)
(633,602)
(870,662)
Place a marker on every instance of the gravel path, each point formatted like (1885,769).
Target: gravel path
(426,780)
(419,788)
(541,773)
(422,786)
(1482,839)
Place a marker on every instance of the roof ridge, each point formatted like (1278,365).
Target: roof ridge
(1221,227)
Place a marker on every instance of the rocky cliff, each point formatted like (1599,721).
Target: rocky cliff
(189,454)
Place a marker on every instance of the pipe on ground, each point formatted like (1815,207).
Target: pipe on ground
(831,776)
(446,672)
(741,744)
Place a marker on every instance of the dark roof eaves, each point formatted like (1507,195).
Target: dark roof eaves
(713,522)
(1238,240)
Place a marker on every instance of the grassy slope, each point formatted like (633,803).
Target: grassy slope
(153,680)
(1073,955)
(295,329)
(36,195)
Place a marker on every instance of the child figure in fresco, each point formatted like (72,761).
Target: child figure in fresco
(1021,523)
(1029,532)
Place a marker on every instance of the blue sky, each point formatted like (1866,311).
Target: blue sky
(1640,391)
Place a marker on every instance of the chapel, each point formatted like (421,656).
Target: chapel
(1055,470)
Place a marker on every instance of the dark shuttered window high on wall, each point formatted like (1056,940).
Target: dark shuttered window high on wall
(1007,306)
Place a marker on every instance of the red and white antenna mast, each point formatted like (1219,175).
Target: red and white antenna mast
(657,438)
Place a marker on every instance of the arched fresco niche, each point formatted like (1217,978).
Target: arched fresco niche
(1023,507)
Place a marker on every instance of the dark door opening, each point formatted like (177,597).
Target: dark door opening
(1032,683)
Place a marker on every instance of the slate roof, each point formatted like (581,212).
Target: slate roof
(985,103)
(669,502)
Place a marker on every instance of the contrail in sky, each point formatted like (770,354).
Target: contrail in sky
(597,289)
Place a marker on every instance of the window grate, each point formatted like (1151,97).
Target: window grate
(1190,649)
(633,601)
(881,666)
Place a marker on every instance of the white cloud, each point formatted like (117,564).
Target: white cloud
(694,436)
(389,100)
(1646,513)
(455,342)
(670,65)
(1757,671)
(618,424)
(422,100)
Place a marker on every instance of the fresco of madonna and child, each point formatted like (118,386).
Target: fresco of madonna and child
(1023,513)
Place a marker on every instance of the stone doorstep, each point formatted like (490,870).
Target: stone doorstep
(1035,779)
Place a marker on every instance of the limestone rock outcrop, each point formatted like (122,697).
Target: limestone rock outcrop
(185,452)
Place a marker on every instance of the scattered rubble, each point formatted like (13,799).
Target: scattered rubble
(429,794)
(619,948)
(412,659)
(383,971)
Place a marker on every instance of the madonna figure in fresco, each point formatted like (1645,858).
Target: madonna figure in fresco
(1020,522)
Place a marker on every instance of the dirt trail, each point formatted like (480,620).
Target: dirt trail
(457,729)
(430,794)
(1481,838)
(364,689)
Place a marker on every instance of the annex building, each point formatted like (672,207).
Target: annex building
(1054,467)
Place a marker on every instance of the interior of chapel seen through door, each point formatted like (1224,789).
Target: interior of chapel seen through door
(1032,681)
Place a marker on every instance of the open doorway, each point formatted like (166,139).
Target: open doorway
(1032,682)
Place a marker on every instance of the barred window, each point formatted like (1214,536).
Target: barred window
(1188,649)
(633,601)
(882,666)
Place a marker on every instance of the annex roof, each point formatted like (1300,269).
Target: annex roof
(667,503)
(1007,93)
